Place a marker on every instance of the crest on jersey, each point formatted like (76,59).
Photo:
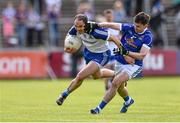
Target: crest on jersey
(130,41)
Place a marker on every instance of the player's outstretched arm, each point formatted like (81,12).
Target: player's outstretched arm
(116,26)
(115,40)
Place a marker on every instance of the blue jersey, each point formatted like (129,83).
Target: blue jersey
(95,40)
(133,41)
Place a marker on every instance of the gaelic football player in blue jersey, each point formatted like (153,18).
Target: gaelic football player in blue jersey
(136,42)
(109,16)
(96,52)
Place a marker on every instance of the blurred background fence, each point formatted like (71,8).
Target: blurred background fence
(32,34)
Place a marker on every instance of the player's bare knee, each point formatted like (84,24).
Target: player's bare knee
(96,75)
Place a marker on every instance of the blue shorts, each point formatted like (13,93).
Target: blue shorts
(100,58)
(112,58)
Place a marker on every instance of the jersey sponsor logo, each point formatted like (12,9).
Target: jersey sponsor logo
(130,41)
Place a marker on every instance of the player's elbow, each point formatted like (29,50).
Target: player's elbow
(111,38)
(142,56)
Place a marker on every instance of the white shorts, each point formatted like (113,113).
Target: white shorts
(131,70)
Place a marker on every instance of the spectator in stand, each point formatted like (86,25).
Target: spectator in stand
(38,8)
(119,12)
(157,7)
(40,26)
(8,19)
(156,22)
(87,9)
(127,6)
(21,18)
(100,18)
(53,11)
(139,6)
(177,21)
(33,19)
(175,2)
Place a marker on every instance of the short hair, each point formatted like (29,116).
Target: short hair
(108,11)
(82,17)
(142,18)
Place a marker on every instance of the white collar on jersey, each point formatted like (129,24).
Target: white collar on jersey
(143,31)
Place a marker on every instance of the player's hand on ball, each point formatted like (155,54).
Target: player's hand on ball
(70,50)
(72,44)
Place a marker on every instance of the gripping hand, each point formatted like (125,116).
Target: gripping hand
(121,51)
(90,26)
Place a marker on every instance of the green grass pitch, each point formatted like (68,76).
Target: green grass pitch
(156,100)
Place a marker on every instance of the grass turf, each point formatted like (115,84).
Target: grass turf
(156,100)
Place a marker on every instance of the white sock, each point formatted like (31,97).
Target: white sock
(99,108)
(127,102)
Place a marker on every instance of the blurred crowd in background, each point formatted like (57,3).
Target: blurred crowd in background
(44,23)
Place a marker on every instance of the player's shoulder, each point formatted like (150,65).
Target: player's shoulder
(148,33)
(127,27)
(90,26)
(72,30)
(99,31)
(147,37)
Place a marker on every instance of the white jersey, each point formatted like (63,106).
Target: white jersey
(112,45)
(95,41)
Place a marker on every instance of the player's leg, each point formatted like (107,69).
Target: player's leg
(88,70)
(132,70)
(123,74)
(117,81)
(103,73)
(102,59)
(123,92)
(108,81)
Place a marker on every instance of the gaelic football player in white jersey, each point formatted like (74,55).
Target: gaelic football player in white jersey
(96,52)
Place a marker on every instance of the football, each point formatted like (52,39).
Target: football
(72,41)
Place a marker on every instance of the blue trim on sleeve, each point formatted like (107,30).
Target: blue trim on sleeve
(100,33)
(148,40)
(125,27)
(72,31)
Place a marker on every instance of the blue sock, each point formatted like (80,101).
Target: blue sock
(102,104)
(126,98)
(65,93)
